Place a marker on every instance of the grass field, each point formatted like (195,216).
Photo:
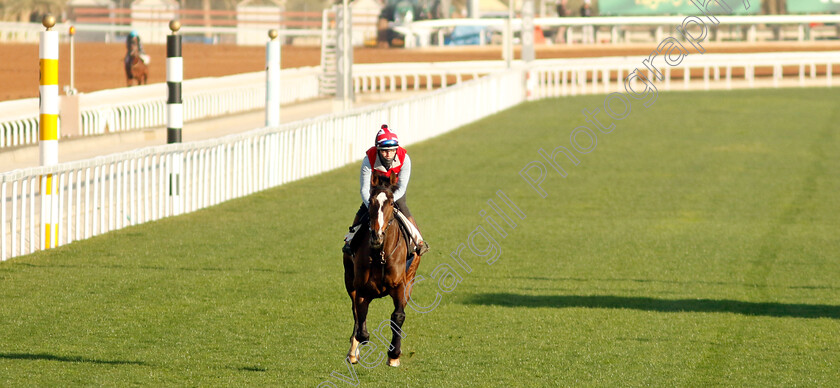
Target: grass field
(697,245)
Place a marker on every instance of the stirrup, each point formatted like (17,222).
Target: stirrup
(349,239)
(422,248)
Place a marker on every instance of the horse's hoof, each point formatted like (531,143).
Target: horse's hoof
(394,362)
(353,353)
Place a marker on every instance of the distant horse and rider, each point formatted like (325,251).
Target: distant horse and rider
(384,261)
(136,61)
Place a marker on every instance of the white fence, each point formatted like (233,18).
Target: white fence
(391,77)
(571,77)
(19,123)
(110,192)
(141,107)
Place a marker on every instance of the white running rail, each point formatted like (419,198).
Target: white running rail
(571,77)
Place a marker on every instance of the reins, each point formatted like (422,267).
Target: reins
(381,250)
(382,255)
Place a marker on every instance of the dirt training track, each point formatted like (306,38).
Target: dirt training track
(100,66)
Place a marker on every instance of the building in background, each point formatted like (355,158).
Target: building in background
(255,17)
(150,18)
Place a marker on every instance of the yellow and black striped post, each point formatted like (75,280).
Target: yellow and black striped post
(48,129)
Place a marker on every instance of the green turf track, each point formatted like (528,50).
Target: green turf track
(697,245)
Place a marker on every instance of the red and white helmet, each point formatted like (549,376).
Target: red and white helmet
(386,140)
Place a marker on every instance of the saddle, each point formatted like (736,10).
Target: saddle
(145,58)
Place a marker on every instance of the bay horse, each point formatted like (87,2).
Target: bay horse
(378,268)
(137,70)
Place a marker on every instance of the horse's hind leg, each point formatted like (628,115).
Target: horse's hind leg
(397,319)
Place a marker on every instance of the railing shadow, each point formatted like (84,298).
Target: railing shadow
(769,309)
(52,357)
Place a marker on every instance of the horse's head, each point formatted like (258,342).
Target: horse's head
(381,207)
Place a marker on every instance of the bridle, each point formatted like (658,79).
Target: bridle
(385,233)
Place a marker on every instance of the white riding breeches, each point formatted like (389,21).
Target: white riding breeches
(415,234)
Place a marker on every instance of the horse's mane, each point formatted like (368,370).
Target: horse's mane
(383,183)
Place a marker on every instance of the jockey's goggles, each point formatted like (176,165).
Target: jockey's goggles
(388,145)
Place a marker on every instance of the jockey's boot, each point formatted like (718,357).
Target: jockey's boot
(422,246)
(346,248)
(349,237)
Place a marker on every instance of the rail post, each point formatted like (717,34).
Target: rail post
(272,80)
(48,130)
(72,89)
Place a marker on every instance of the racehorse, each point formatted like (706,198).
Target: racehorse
(378,267)
(137,70)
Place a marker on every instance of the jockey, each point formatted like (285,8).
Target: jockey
(386,157)
(133,37)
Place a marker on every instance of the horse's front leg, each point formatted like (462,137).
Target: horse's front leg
(397,319)
(361,303)
(353,353)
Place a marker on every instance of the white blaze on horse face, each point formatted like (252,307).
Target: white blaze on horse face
(380,217)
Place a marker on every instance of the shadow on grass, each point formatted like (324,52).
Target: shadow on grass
(658,281)
(251,369)
(52,357)
(793,310)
